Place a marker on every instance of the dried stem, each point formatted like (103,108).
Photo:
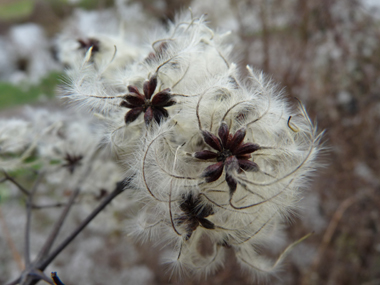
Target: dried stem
(56,279)
(119,189)
(328,236)
(19,186)
(52,237)
(16,255)
(28,220)
(55,205)
(34,270)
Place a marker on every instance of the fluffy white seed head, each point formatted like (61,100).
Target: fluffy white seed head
(214,158)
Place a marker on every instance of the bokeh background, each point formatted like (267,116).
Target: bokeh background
(325,53)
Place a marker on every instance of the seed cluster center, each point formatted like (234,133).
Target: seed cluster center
(223,155)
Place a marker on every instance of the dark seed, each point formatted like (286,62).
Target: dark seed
(231,182)
(161,98)
(246,148)
(248,165)
(212,140)
(170,103)
(134,100)
(223,133)
(205,211)
(205,154)
(125,104)
(237,139)
(133,89)
(159,113)
(206,224)
(149,86)
(213,172)
(148,117)
(243,156)
(132,115)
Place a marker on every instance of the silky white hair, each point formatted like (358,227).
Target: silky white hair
(180,208)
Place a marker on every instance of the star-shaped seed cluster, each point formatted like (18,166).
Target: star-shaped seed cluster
(232,155)
(194,214)
(72,162)
(153,108)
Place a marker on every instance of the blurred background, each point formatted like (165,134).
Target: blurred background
(326,53)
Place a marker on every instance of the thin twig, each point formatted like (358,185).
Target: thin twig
(38,266)
(119,189)
(56,205)
(56,279)
(16,255)
(57,227)
(331,228)
(19,186)
(328,236)
(28,220)
(39,274)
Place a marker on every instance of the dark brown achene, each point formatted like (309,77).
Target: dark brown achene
(154,108)
(232,154)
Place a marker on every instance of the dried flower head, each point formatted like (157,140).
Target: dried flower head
(72,161)
(194,214)
(232,155)
(216,158)
(154,108)
(229,168)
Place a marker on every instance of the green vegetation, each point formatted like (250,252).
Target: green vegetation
(12,95)
(59,5)
(17,9)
